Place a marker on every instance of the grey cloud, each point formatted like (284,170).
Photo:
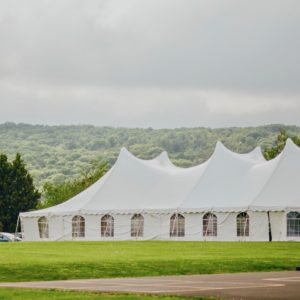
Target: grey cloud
(232,45)
(144,107)
(150,63)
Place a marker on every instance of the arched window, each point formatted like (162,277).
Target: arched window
(242,224)
(293,223)
(210,227)
(137,225)
(43,227)
(78,226)
(107,226)
(177,225)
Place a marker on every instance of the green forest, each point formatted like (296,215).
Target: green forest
(54,154)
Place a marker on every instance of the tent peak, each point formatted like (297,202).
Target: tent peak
(289,142)
(163,159)
(254,156)
(124,149)
(290,146)
(124,154)
(221,148)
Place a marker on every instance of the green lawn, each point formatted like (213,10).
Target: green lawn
(29,294)
(65,260)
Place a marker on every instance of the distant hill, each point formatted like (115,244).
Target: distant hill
(55,153)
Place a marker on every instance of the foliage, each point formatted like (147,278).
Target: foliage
(17,192)
(67,260)
(58,153)
(54,194)
(282,137)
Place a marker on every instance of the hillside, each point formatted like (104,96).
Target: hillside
(55,153)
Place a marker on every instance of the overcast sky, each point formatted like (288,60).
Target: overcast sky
(150,63)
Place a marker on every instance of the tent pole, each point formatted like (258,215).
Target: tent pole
(269,226)
(17,226)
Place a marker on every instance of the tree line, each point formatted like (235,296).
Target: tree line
(58,153)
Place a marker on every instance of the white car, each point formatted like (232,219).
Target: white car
(9,237)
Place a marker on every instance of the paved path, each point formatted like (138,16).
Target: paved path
(267,285)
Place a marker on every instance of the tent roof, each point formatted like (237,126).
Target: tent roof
(227,181)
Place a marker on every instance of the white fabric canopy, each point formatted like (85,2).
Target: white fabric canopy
(226,182)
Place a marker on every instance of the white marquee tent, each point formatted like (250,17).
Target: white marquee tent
(230,197)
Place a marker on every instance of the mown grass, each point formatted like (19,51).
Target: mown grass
(69,260)
(29,294)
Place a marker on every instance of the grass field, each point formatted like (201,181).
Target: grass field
(28,294)
(69,260)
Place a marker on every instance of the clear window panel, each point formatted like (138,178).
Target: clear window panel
(177,225)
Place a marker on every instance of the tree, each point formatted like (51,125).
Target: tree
(17,192)
(4,183)
(280,144)
(57,193)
